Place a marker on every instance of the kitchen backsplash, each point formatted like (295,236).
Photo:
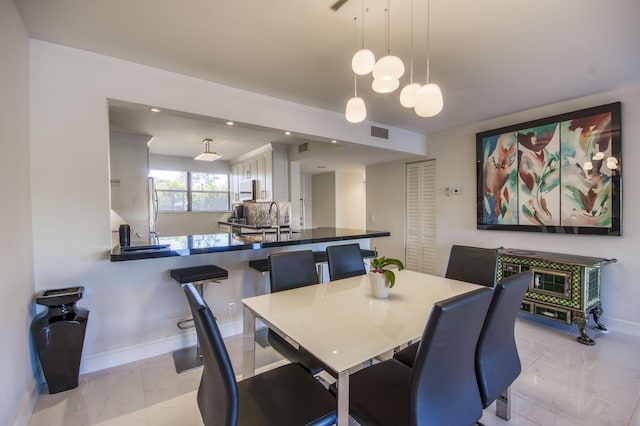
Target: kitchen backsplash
(258,213)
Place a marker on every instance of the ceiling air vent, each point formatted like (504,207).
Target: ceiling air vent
(303,147)
(379,132)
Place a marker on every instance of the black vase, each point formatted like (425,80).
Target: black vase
(58,335)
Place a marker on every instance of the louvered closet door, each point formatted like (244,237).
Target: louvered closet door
(421,216)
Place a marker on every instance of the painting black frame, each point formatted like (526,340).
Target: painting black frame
(485,217)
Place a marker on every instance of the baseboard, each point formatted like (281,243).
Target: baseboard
(622,326)
(120,356)
(27,404)
(612,324)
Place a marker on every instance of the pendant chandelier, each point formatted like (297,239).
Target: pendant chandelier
(388,70)
(409,92)
(207,155)
(426,100)
(356,110)
(363,60)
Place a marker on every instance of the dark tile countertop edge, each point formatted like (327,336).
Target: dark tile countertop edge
(189,245)
(248,226)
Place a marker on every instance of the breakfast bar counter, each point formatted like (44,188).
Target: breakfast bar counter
(188,245)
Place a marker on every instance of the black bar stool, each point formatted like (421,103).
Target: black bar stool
(190,357)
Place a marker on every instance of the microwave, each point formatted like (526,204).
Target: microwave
(248,190)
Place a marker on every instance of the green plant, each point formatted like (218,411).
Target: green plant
(379,264)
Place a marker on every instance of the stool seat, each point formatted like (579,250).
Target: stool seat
(199,273)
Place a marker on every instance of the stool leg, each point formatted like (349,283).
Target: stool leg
(200,289)
(190,357)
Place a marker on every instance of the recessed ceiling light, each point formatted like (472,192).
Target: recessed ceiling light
(287,133)
(229,123)
(155,109)
(334,141)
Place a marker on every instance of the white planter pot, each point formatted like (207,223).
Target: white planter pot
(379,285)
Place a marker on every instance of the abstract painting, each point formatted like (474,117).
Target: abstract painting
(559,174)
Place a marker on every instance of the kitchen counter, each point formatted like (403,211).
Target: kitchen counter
(222,242)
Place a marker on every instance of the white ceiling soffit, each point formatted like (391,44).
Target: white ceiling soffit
(490,57)
(181,134)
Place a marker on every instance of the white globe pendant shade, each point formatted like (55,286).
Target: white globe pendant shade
(429,100)
(385,86)
(388,68)
(356,110)
(408,95)
(363,62)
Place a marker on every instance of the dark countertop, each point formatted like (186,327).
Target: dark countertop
(246,225)
(213,243)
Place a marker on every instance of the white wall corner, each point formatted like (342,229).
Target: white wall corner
(27,404)
(622,326)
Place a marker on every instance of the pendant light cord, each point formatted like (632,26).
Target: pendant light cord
(411,75)
(363,24)
(355,42)
(428,39)
(388,29)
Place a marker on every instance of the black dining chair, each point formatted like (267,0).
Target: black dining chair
(497,359)
(345,261)
(287,395)
(441,388)
(474,265)
(290,270)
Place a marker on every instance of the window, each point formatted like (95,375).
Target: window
(179,191)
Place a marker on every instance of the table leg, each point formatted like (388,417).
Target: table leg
(343,398)
(248,343)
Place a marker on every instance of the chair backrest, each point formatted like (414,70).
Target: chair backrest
(345,261)
(218,391)
(292,269)
(497,360)
(443,383)
(473,264)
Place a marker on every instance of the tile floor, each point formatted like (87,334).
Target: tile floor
(562,383)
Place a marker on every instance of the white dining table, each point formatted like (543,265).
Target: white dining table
(343,325)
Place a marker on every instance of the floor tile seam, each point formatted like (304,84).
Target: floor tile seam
(635,412)
(529,401)
(144,395)
(601,395)
(560,410)
(597,362)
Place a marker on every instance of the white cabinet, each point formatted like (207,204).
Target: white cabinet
(269,167)
(234,184)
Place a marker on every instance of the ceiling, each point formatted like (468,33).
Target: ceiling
(181,134)
(490,58)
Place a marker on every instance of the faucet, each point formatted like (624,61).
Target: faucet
(273,203)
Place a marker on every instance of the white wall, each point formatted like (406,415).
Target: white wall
(456,215)
(385,202)
(134,305)
(350,200)
(323,193)
(16,268)
(129,169)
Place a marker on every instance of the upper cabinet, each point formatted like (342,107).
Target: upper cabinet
(269,167)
